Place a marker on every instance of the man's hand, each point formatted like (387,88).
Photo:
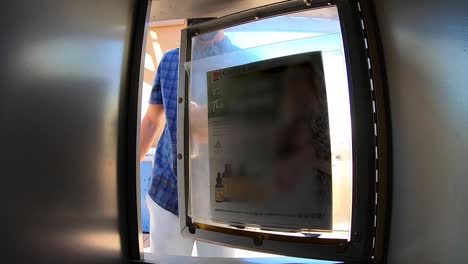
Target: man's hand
(151,128)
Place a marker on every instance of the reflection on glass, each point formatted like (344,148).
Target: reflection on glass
(271,126)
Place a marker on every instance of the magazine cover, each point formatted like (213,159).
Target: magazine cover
(269,144)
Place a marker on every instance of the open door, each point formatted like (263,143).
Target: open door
(68,114)
(282,143)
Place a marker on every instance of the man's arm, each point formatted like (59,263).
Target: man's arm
(151,128)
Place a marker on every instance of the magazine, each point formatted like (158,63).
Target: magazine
(269,144)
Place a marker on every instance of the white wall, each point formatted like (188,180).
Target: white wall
(425,45)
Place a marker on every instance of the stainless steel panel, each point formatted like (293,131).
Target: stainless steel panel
(426,50)
(169,9)
(62,104)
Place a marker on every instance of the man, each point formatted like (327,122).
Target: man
(165,237)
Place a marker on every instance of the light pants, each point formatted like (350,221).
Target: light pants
(166,239)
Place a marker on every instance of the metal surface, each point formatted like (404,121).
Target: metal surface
(182,134)
(269,236)
(367,151)
(129,137)
(65,100)
(168,9)
(425,45)
(382,136)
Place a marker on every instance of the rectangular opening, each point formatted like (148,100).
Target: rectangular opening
(270,47)
(249,58)
(162,36)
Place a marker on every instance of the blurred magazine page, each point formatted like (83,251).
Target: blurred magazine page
(269,144)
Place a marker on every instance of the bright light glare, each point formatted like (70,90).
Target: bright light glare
(246,40)
(149,63)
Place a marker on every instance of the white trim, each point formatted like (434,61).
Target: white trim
(165,23)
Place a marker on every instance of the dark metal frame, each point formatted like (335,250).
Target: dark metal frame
(129,179)
(383,138)
(371,140)
(371,152)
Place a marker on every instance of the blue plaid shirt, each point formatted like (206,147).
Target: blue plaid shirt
(163,189)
